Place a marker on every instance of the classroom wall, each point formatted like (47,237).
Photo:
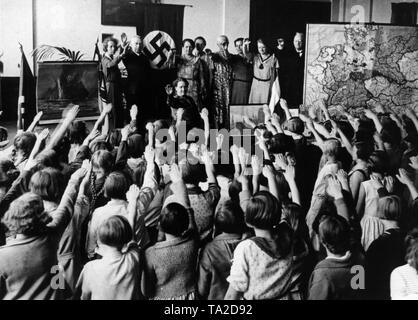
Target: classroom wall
(376,11)
(15,26)
(76,24)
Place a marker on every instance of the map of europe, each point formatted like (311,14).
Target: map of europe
(353,67)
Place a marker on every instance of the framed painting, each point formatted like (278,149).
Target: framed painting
(61,84)
(238,116)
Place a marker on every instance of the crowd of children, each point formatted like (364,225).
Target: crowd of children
(329,212)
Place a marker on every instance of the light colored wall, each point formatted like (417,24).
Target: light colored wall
(76,24)
(381,10)
(211,18)
(237,19)
(15,26)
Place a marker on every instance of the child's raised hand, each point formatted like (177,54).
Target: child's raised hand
(290,173)
(243,157)
(404,178)
(149,154)
(219,141)
(283,104)
(243,177)
(132,194)
(175,174)
(134,112)
(281,161)
(38,116)
(207,157)
(389,183)
(413,162)
(43,135)
(149,126)
(268,172)
(107,108)
(204,114)
(72,113)
(256,165)
(125,133)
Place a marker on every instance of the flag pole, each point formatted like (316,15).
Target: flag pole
(21,99)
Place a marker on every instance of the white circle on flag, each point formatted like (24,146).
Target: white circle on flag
(157,46)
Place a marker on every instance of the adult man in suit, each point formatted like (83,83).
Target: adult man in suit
(138,67)
(293,72)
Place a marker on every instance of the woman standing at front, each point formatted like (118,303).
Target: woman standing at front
(112,76)
(190,68)
(266,68)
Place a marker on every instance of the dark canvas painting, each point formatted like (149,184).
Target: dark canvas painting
(61,84)
(238,113)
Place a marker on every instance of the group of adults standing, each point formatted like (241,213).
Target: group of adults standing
(212,80)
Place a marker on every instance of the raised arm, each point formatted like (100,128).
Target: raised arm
(285,107)
(209,167)
(408,182)
(40,138)
(60,132)
(412,115)
(335,190)
(344,140)
(268,172)
(178,187)
(150,130)
(289,175)
(372,116)
(275,121)
(35,121)
(311,128)
(62,215)
(204,114)
(257,168)
(235,159)
(107,108)
(132,198)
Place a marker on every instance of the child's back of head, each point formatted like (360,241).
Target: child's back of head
(116,186)
(174,220)
(334,232)
(115,232)
(229,218)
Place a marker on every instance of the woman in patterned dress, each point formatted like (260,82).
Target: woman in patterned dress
(266,68)
(222,82)
(190,68)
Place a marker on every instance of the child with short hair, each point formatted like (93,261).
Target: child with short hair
(170,269)
(264,266)
(216,259)
(117,276)
(331,279)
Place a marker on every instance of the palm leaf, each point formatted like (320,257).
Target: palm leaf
(52,53)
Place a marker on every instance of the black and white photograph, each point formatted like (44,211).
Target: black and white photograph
(218,152)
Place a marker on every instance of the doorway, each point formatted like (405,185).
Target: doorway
(271,19)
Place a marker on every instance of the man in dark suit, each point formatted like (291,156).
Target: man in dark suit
(292,73)
(138,67)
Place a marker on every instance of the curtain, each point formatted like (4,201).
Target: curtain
(164,17)
(404,14)
(167,18)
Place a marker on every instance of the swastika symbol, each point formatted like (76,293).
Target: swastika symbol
(158,50)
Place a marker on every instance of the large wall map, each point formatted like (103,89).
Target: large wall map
(356,66)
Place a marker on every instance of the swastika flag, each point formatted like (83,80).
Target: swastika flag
(157,45)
